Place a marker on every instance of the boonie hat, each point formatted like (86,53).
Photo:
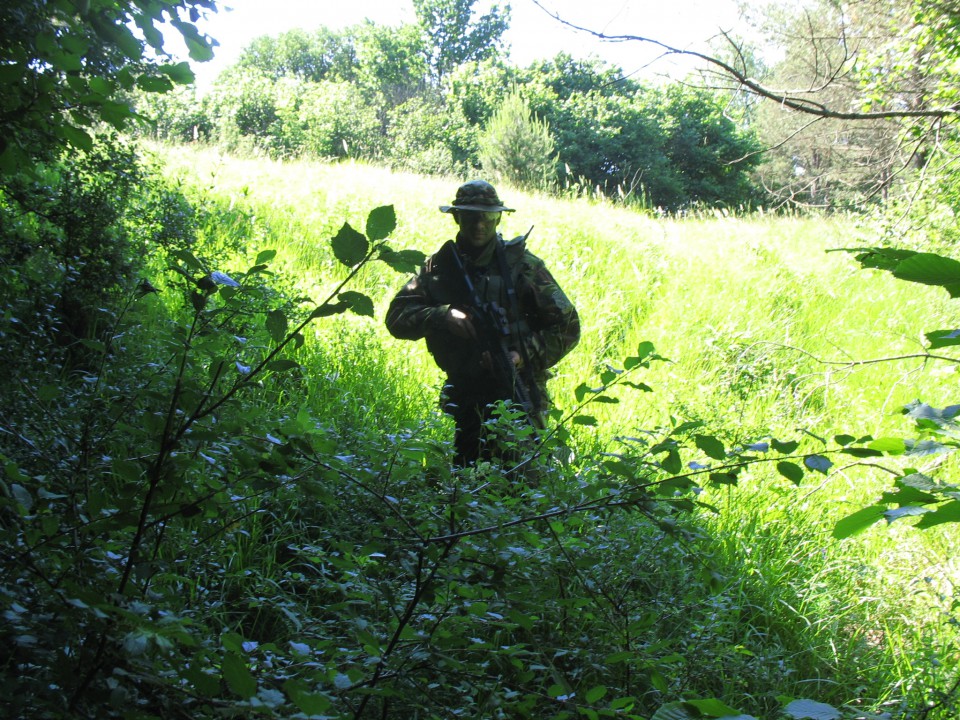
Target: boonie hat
(476,195)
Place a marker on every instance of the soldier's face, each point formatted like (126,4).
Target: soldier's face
(477,228)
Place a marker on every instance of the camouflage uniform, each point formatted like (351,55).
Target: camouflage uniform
(543,324)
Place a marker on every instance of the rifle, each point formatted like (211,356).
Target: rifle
(491,322)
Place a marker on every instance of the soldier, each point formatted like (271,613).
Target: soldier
(493,317)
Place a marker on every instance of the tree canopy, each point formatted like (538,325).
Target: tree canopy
(67,66)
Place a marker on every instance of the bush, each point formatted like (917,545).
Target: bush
(68,249)
(327,120)
(429,137)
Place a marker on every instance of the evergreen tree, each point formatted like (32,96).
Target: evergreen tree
(516,146)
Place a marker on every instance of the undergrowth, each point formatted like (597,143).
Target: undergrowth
(241,503)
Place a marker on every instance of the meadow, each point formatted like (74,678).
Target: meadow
(765,334)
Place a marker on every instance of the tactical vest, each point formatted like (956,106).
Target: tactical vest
(458,357)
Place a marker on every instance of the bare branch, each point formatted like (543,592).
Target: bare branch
(786,99)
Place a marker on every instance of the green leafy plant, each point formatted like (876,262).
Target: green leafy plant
(67,67)
(916,494)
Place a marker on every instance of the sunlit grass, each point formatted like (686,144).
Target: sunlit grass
(759,323)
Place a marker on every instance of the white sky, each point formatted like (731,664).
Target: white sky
(533,34)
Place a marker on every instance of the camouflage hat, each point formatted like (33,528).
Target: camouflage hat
(476,195)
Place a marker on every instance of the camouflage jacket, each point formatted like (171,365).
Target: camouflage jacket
(543,324)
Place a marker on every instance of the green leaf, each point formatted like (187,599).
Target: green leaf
(408,261)
(861,452)
(198,47)
(645,349)
(811,710)
(76,137)
(949,513)
(50,392)
(889,446)
(711,446)
(586,420)
(309,703)
(153,83)
(381,222)
(785,448)
(713,708)
(595,694)
(283,365)
(181,73)
(723,478)
(188,259)
(126,41)
(237,676)
(858,522)
(931,269)
(791,471)
(265,256)
(349,246)
(22,496)
(672,462)
(357,302)
(328,309)
(819,463)
(943,338)
(881,258)
(277,325)
(582,391)
(117,114)
(207,684)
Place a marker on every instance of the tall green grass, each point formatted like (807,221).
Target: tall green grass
(762,327)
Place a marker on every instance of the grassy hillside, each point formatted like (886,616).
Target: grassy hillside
(756,316)
(762,327)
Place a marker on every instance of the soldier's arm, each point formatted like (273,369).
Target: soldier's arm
(553,319)
(412,313)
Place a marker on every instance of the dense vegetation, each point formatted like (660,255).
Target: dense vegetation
(399,97)
(227,491)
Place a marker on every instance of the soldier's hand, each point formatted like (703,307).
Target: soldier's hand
(460,325)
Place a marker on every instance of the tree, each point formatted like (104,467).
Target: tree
(426,135)
(65,67)
(517,147)
(452,37)
(612,134)
(391,61)
(710,156)
(889,67)
(321,55)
